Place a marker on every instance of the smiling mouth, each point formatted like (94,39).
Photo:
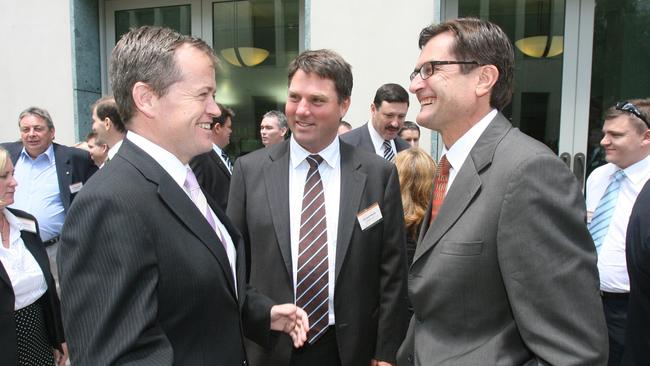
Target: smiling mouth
(426,101)
(205,125)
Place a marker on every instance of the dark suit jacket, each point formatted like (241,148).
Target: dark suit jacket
(360,137)
(51,304)
(637,338)
(369,299)
(213,176)
(506,274)
(72,166)
(144,278)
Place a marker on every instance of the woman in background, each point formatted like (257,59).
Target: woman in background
(31,332)
(416,170)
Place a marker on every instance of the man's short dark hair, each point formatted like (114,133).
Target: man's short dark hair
(91,135)
(147,54)
(326,64)
(391,93)
(225,114)
(346,124)
(484,42)
(409,125)
(106,107)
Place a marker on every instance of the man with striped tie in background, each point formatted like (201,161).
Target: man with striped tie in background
(611,192)
(214,168)
(323,223)
(388,111)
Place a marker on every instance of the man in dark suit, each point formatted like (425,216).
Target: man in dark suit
(213,169)
(324,225)
(388,112)
(505,270)
(49,175)
(637,337)
(151,269)
(108,125)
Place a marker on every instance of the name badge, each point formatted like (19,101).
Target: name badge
(27,224)
(370,216)
(76,187)
(590,214)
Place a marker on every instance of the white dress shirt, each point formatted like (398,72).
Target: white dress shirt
(38,191)
(330,173)
(612,265)
(378,141)
(113,150)
(460,150)
(26,276)
(178,171)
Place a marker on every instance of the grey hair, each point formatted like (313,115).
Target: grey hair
(39,112)
(279,116)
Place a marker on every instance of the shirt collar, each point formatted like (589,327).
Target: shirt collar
(298,154)
(377,140)
(113,150)
(638,172)
(217,149)
(49,153)
(459,151)
(168,161)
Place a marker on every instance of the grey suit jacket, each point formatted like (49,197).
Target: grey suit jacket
(144,278)
(506,274)
(370,291)
(360,137)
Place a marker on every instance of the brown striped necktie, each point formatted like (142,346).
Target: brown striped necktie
(439,186)
(312,292)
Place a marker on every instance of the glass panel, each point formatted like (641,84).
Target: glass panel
(536,28)
(255,40)
(175,17)
(619,65)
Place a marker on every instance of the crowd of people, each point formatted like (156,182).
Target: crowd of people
(331,245)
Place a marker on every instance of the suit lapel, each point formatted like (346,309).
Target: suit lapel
(64,173)
(180,204)
(465,186)
(276,179)
(220,164)
(352,184)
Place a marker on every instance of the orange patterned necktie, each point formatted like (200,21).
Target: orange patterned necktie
(439,186)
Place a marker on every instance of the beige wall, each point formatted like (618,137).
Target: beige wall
(379,39)
(36,64)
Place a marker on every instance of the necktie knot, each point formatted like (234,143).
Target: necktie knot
(190,181)
(619,175)
(314,160)
(388,150)
(225,158)
(444,166)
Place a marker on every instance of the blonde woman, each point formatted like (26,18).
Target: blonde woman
(416,170)
(30,319)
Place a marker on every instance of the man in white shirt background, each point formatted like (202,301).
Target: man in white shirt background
(611,192)
(108,125)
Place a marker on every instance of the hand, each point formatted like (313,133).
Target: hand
(374,362)
(292,320)
(60,358)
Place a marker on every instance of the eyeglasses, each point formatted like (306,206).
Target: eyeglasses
(426,70)
(631,108)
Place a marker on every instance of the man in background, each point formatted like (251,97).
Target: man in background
(410,132)
(388,111)
(213,169)
(108,125)
(611,191)
(273,128)
(98,152)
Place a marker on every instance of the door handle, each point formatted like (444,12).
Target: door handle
(579,167)
(566,158)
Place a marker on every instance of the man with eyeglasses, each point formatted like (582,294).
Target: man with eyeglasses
(388,111)
(611,192)
(505,271)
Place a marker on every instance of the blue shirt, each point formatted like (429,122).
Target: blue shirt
(38,191)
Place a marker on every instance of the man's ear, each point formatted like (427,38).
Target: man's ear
(144,98)
(486,79)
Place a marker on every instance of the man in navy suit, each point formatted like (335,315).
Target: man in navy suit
(388,111)
(49,175)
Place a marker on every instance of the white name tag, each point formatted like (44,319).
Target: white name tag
(370,216)
(27,224)
(76,187)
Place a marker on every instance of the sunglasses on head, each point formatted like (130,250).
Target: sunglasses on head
(631,108)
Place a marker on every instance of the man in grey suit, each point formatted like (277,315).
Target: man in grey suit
(505,273)
(151,269)
(324,225)
(388,111)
